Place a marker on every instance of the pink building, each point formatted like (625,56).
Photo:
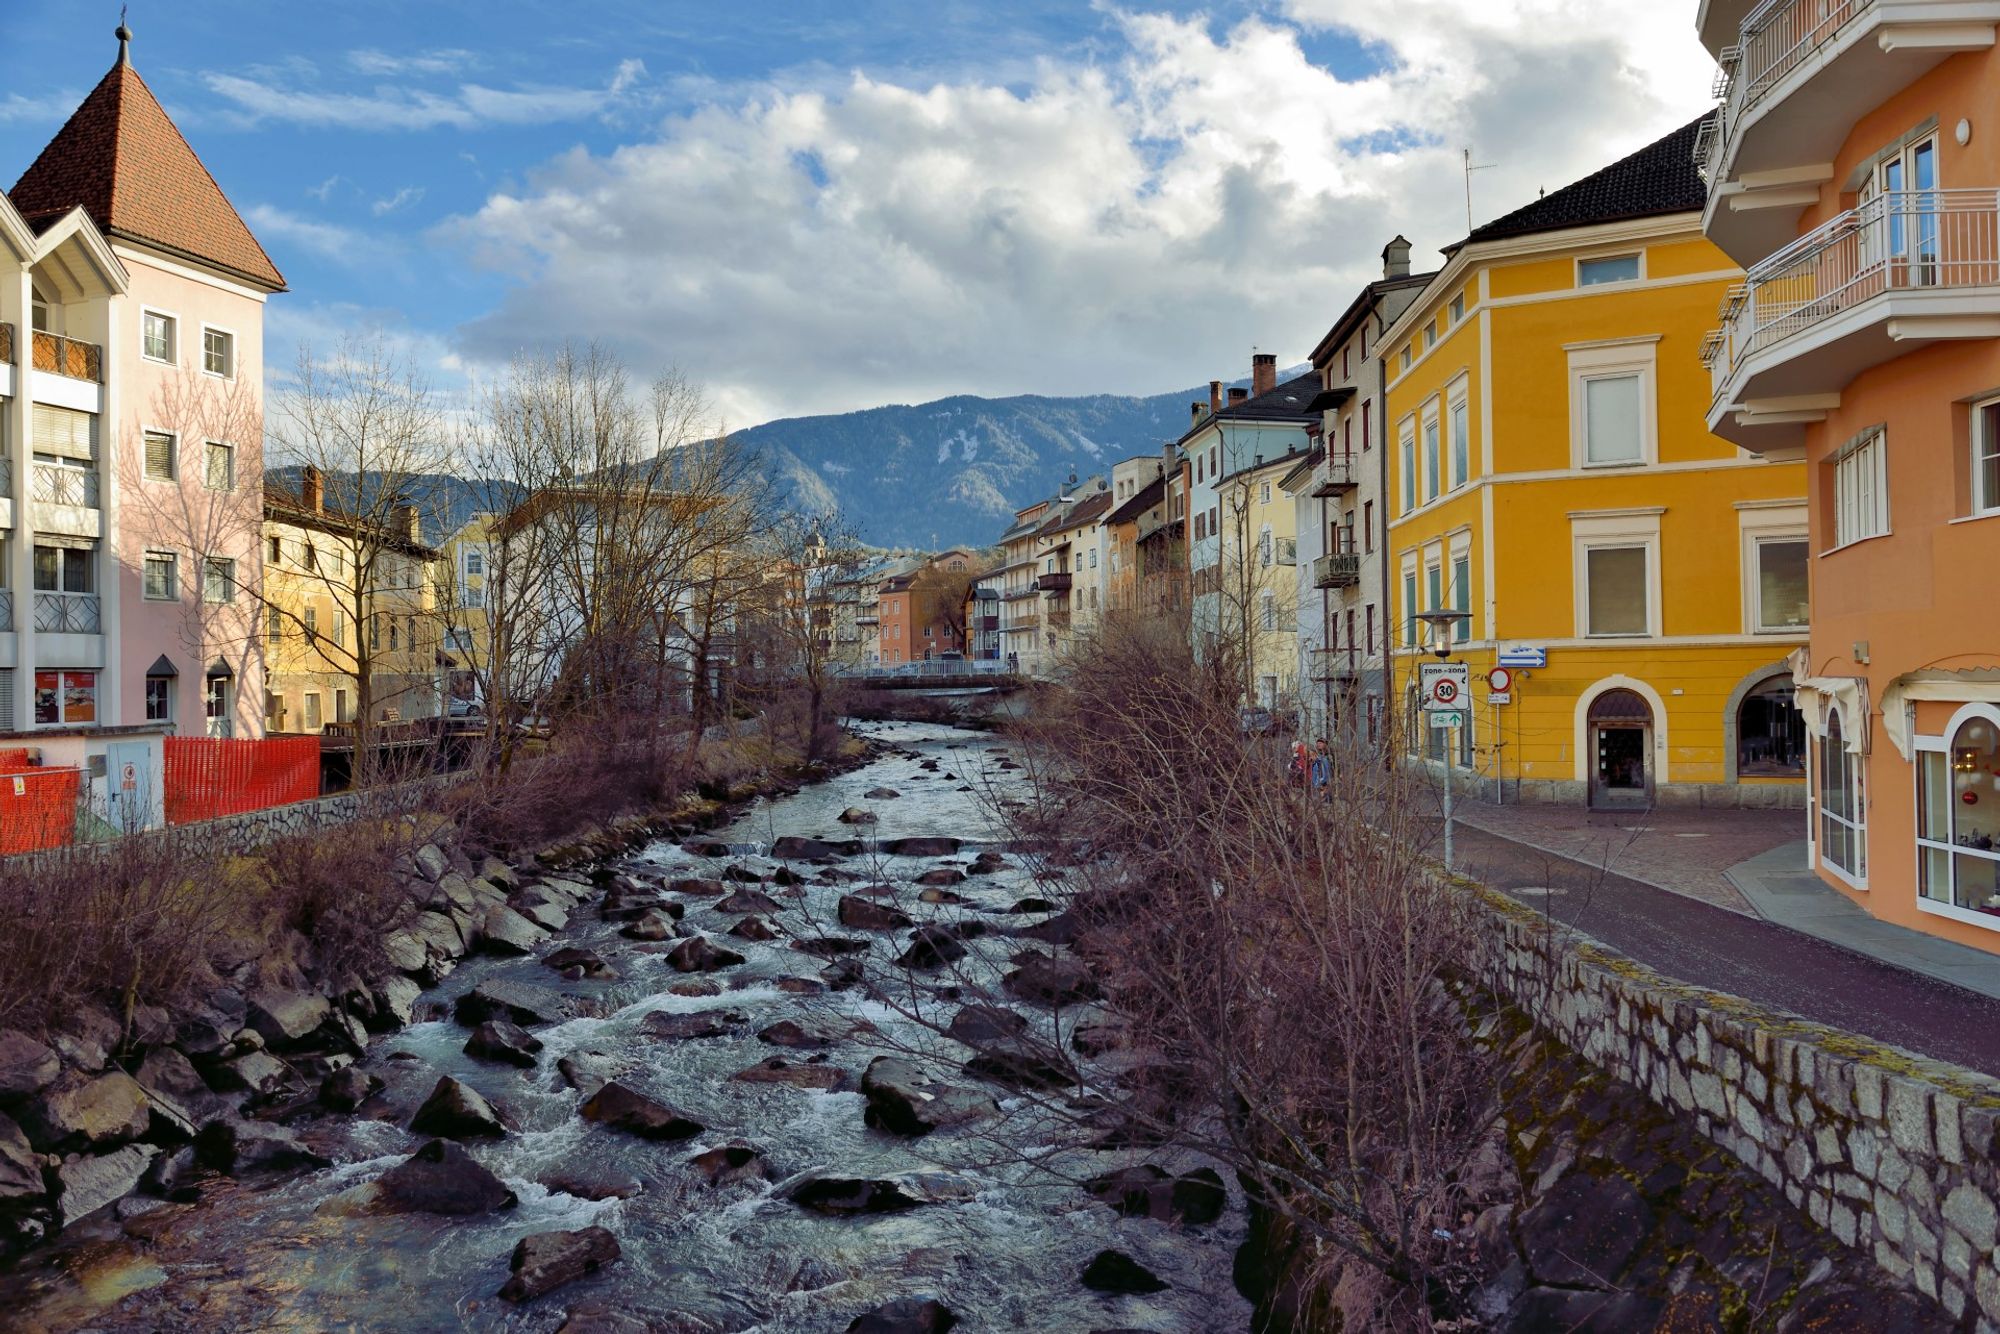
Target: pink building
(131,426)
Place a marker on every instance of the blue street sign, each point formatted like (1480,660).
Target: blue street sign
(1524,655)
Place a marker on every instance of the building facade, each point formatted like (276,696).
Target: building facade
(1553,479)
(1852,171)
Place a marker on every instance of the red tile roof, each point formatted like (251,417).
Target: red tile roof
(125,162)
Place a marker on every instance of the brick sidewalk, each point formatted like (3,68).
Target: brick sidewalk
(1685,852)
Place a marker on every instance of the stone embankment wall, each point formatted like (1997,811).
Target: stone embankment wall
(1894,1153)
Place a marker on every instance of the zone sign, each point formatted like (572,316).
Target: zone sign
(1445,686)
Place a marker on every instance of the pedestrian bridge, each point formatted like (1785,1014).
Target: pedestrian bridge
(975,674)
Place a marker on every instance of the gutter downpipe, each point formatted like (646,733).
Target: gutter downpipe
(1390,698)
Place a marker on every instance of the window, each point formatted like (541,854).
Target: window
(1611,424)
(1770,732)
(1433,459)
(218,579)
(1430,336)
(159,699)
(1986,457)
(156,336)
(1616,583)
(1782,604)
(1346,371)
(1843,823)
(1410,621)
(1861,490)
(394,645)
(274,625)
(1406,357)
(1268,609)
(215,706)
(1461,443)
(313,719)
(1264,548)
(1461,591)
(475,564)
(162,578)
(159,456)
(218,352)
(1434,586)
(1458,308)
(1264,493)
(1611,269)
(1368,525)
(1369,613)
(62,570)
(312,623)
(1958,818)
(1364,425)
(276,555)
(220,473)
(65,698)
(1409,452)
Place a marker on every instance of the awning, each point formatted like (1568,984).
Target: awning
(1974,685)
(219,668)
(1814,695)
(163,666)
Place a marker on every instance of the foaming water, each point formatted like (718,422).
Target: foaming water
(1003,1246)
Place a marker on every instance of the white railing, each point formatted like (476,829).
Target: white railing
(57,485)
(1910,240)
(1776,38)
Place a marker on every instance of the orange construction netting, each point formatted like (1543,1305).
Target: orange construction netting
(207,777)
(37,806)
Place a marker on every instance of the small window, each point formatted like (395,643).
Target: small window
(276,554)
(1782,604)
(311,618)
(1264,494)
(1612,430)
(1615,590)
(159,699)
(159,456)
(218,579)
(1611,269)
(313,719)
(1433,459)
(218,352)
(220,471)
(1461,443)
(1458,308)
(1461,597)
(475,564)
(1430,336)
(162,577)
(1409,469)
(156,338)
(274,625)
(1407,356)
(1986,457)
(1861,491)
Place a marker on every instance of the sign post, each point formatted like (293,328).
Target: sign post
(1446,688)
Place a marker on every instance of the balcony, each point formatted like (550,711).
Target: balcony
(1056,581)
(6,344)
(1333,664)
(68,356)
(6,609)
(1872,284)
(1794,79)
(1337,474)
(868,618)
(66,614)
(1342,569)
(986,624)
(57,485)
(1023,623)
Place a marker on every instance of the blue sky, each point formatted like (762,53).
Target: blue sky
(822,206)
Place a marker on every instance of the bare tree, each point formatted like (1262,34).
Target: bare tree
(806,555)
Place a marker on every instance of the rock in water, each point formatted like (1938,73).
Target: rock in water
(852,1195)
(921,847)
(498,1040)
(859,914)
(347,1088)
(287,1018)
(1115,1271)
(778,1070)
(652,924)
(697,954)
(785,1033)
(792,848)
(857,815)
(748,900)
(90,1181)
(881,794)
(621,1108)
(976,1024)
(1051,981)
(457,1112)
(931,946)
(943,875)
(547,1260)
(727,1164)
(504,931)
(903,1101)
(754,927)
(516,1002)
(905,1315)
(442,1178)
(237,1147)
(699,1024)
(26,1067)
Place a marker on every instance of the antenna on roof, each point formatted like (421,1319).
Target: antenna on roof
(1465,155)
(124,36)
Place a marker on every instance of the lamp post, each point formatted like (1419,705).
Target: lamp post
(1441,623)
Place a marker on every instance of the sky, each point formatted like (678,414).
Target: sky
(815,206)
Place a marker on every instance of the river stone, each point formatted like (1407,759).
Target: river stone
(624,1109)
(738,873)
(1032,905)
(585,1071)
(652,924)
(1115,1271)
(455,1111)
(439,933)
(920,847)
(793,848)
(853,1195)
(177,1093)
(881,794)
(697,954)
(614,1186)
(286,1018)
(442,1178)
(905,1315)
(1094,1037)
(799,986)
(827,947)
(576,962)
(87,1037)
(731,1163)
(748,900)
(504,931)
(859,914)
(498,1040)
(694,987)
(255,1071)
(26,1067)
(1585,1231)
(1046,980)
(700,887)
(347,1088)
(517,1002)
(777,1070)
(547,916)
(976,1024)
(754,927)
(696,1024)
(786,1033)
(79,1111)
(858,815)
(706,847)
(1062,929)
(931,946)
(20,1166)
(236,1147)
(904,1101)
(1018,1064)
(405,950)
(88,1182)
(1145,1191)
(943,875)
(396,1001)
(547,1260)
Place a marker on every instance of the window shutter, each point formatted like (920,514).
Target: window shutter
(7,699)
(159,455)
(64,432)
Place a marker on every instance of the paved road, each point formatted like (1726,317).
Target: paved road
(1725,951)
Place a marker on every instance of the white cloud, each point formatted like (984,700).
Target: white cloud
(262,96)
(327,240)
(55,107)
(381,63)
(1129,224)
(403,198)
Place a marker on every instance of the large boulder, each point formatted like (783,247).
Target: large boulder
(396,1001)
(180,1099)
(239,1147)
(731,1163)
(698,954)
(1145,1191)
(932,945)
(405,950)
(1117,1272)
(625,1109)
(547,1260)
(696,1024)
(852,1195)
(498,1040)
(904,1101)
(442,1178)
(699,887)
(26,1067)
(859,914)
(80,1111)
(577,963)
(287,1018)
(88,1182)
(777,1070)
(517,1002)
(253,1071)
(754,927)
(20,1167)
(455,1111)
(1020,1064)
(1062,929)
(881,794)
(828,947)
(748,900)
(943,875)
(1047,980)
(919,847)
(786,1033)
(431,862)
(347,1088)
(504,931)
(978,1024)
(793,848)
(651,924)
(858,815)
(906,1315)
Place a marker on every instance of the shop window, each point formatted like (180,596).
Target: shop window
(1770,733)
(65,698)
(1958,819)
(1843,821)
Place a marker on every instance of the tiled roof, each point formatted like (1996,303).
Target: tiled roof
(1659,178)
(1081,513)
(126,164)
(1286,402)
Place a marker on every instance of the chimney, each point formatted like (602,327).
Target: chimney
(1196,410)
(1396,259)
(1263,372)
(312,491)
(1215,395)
(411,525)
(1237,394)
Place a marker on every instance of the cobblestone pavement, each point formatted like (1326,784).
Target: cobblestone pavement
(1686,852)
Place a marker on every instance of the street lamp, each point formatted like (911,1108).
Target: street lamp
(1441,623)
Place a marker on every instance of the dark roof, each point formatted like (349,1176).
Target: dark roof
(1658,179)
(122,160)
(281,506)
(1357,310)
(1080,513)
(1147,496)
(1292,455)
(1285,403)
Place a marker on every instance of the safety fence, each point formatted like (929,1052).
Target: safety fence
(37,805)
(210,777)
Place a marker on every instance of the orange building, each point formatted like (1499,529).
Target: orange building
(922,611)
(1852,170)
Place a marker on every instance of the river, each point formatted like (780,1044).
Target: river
(1003,1249)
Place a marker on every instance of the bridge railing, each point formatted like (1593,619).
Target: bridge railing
(918,670)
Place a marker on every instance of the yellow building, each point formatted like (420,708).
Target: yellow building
(1552,476)
(463,578)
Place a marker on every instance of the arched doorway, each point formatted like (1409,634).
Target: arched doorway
(1621,750)
(1770,732)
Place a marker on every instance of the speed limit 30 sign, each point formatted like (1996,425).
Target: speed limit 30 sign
(1446,687)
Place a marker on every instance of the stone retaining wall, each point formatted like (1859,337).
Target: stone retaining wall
(1892,1152)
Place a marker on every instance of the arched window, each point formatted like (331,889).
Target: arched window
(1843,821)
(1958,818)
(1770,733)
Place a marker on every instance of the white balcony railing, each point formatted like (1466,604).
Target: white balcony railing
(67,614)
(57,485)
(1909,241)
(1776,38)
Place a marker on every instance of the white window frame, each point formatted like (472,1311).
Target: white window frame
(208,564)
(173,454)
(1457,307)
(1433,438)
(1459,593)
(1815,778)
(1411,587)
(146,699)
(1406,449)
(228,333)
(173,561)
(1866,456)
(173,336)
(1611,359)
(1605,257)
(1616,528)
(1458,413)
(1756,527)
(229,450)
(1983,449)
(1936,745)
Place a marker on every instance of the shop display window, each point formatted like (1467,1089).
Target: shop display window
(1958,819)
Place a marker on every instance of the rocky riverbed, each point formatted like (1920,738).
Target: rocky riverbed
(656,1100)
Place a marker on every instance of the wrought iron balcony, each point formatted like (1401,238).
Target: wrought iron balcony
(1339,472)
(67,614)
(1342,569)
(6,609)
(69,356)
(58,485)
(6,344)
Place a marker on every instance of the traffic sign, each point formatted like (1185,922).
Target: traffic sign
(1523,655)
(1500,680)
(1443,720)
(1444,685)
